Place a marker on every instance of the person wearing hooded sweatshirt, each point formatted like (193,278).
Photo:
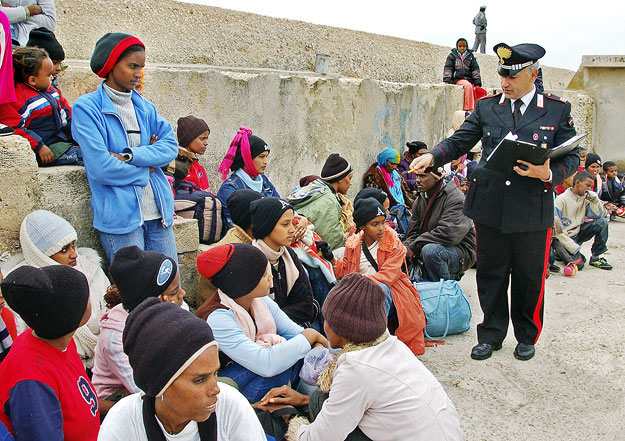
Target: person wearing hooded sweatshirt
(461,68)
(137,275)
(47,239)
(183,399)
(45,393)
(440,235)
(375,389)
(376,252)
(322,203)
(260,346)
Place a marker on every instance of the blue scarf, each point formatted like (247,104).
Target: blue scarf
(255,184)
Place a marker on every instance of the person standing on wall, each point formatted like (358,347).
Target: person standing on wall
(480,30)
(513,212)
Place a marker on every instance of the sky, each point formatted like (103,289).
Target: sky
(566,29)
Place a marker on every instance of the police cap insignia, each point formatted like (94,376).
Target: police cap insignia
(503,52)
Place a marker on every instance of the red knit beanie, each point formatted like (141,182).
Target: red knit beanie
(354,309)
(236,269)
(108,49)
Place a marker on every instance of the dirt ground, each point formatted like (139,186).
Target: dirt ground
(573,388)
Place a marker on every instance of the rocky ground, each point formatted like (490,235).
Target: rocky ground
(573,388)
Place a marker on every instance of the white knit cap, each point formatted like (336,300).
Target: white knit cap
(43,234)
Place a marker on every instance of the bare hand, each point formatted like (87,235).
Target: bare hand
(534,171)
(300,227)
(283,395)
(34,9)
(153,139)
(609,206)
(118,156)
(314,337)
(45,154)
(422,162)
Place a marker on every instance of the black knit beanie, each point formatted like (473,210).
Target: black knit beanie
(51,300)
(44,38)
(239,206)
(189,128)
(335,168)
(266,213)
(415,146)
(161,341)
(371,192)
(592,158)
(354,309)
(257,146)
(141,274)
(366,209)
(236,269)
(108,49)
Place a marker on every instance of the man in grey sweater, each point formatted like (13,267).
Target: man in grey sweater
(480,30)
(26,15)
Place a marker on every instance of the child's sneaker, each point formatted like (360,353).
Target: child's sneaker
(620,212)
(5,130)
(601,263)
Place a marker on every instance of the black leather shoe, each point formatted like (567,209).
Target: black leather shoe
(524,351)
(482,351)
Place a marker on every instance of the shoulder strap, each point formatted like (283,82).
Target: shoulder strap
(365,249)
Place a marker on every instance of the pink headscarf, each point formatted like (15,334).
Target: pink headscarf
(242,138)
(7,88)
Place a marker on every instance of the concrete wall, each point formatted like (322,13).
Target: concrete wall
(602,77)
(186,33)
(302,117)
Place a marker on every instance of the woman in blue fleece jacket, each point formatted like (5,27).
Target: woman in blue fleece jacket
(125,142)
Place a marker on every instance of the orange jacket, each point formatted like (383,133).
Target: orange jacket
(391,257)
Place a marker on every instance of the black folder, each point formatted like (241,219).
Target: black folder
(504,158)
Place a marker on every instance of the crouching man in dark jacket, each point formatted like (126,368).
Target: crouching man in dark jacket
(440,235)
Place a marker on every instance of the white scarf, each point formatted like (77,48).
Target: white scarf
(292,273)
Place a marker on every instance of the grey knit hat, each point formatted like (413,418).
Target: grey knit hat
(354,309)
(43,232)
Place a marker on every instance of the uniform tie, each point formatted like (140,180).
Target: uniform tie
(517,112)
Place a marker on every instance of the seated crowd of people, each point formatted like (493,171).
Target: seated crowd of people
(304,298)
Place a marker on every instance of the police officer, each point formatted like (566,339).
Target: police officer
(513,211)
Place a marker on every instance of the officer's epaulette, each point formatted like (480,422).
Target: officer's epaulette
(555,98)
(490,96)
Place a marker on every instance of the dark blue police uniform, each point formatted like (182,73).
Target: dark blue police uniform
(513,214)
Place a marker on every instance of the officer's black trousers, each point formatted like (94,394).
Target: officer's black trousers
(521,257)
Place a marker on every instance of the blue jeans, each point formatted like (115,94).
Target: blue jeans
(253,386)
(73,156)
(441,262)
(151,236)
(320,289)
(388,301)
(598,229)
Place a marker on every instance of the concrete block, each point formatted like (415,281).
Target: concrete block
(187,235)
(20,192)
(189,277)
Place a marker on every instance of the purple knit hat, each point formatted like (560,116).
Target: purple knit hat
(354,309)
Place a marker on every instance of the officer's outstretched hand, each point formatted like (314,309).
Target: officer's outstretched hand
(542,172)
(418,165)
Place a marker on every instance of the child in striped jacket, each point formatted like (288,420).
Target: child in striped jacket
(41,114)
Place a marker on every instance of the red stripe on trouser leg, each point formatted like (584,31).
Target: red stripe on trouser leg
(539,304)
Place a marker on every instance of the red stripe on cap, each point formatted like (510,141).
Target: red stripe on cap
(116,52)
(539,304)
(212,261)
